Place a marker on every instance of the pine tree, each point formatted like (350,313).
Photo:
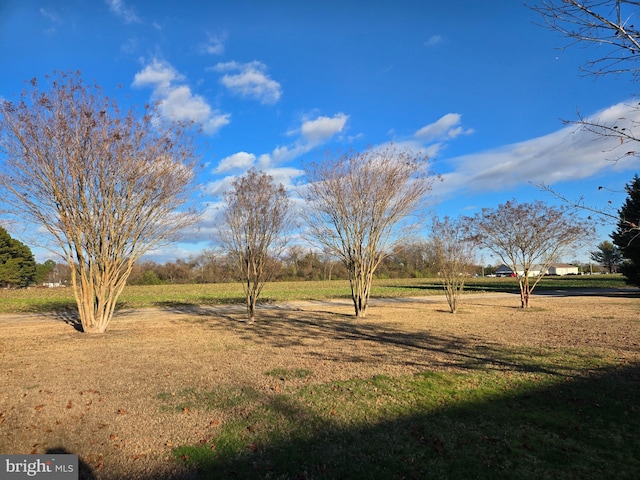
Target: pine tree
(627,235)
(17,265)
(608,256)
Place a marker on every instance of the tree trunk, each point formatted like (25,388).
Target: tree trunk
(251,310)
(95,308)
(452,293)
(360,290)
(97,287)
(525,291)
(251,302)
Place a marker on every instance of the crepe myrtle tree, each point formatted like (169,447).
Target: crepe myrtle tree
(359,206)
(528,237)
(453,254)
(104,185)
(256,217)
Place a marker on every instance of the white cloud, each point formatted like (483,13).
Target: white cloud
(249,80)
(240,160)
(568,154)
(217,188)
(281,175)
(158,74)
(284,175)
(176,100)
(446,127)
(322,128)
(120,9)
(214,44)
(312,133)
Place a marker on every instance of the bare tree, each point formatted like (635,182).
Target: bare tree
(358,204)
(105,185)
(528,237)
(256,217)
(607,25)
(453,253)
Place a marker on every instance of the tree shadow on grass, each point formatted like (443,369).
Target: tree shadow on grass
(84,470)
(304,333)
(431,288)
(580,428)
(70,317)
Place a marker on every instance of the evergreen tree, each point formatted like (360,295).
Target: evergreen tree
(43,270)
(608,255)
(627,235)
(17,265)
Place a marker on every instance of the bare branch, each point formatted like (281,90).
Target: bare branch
(359,205)
(608,24)
(256,218)
(106,185)
(528,237)
(453,255)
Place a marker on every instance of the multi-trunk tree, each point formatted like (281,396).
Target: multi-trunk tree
(453,255)
(528,237)
(358,208)
(105,185)
(256,217)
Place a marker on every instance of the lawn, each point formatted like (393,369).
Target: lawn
(185,389)
(60,299)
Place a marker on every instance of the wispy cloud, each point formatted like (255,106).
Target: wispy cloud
(249,80)
(446,127)
(49,14)
(214,45)
(128,14)
(433,41)
(568,154)
(176,100)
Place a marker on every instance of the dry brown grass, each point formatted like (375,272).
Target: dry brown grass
(98,395)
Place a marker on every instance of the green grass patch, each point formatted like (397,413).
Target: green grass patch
(219,398)
(483,424)
(288,374)
(144,296)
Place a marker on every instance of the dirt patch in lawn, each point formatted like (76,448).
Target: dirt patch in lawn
(104,396)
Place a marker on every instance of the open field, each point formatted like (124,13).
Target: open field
(49,299)
(184,390)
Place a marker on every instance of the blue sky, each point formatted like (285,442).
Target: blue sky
(479,85)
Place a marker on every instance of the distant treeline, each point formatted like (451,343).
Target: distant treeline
(412,260)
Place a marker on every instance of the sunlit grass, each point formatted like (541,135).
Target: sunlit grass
(55,299)
(481,424)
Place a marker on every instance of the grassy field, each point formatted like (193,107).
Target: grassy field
(412,392)
(525,425)
(57,299)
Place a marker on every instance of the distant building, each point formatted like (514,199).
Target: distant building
(562,269)
(505,271)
